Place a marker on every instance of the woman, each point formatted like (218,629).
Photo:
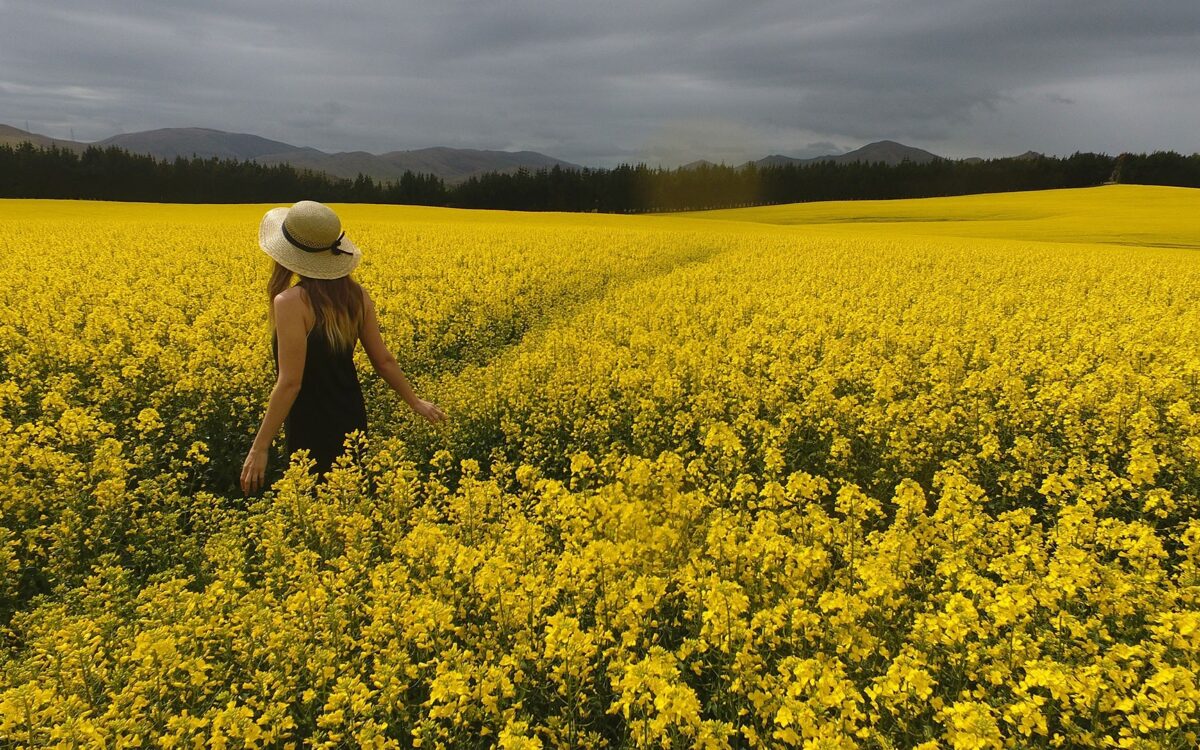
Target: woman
(316,324)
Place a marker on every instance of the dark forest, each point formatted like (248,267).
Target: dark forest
(28,171)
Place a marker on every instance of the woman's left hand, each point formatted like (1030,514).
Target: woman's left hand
(254,471)
(429,410)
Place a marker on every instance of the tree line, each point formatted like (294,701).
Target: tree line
(112,173)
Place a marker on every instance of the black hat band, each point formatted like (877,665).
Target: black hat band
(310,249)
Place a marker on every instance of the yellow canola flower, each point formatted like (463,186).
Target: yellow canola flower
(886,474)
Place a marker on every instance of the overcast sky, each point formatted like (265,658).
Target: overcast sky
(605,81)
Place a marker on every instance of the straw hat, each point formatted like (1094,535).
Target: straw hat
(308,239)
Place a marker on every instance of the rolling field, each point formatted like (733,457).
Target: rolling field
(878,474)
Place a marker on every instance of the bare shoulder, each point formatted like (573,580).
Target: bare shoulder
(292,302)
(291,298)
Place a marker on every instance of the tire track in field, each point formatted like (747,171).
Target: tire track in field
(416,434)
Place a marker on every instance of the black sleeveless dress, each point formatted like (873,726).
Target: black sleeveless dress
(329,404)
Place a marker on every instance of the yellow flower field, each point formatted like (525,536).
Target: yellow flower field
(881,474)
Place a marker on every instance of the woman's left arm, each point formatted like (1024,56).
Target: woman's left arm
(289,328)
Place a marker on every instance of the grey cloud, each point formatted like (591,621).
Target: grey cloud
(599,83)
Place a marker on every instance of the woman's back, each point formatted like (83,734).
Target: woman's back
(330,402)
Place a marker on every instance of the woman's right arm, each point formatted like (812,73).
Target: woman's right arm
(293,343)
(385,364)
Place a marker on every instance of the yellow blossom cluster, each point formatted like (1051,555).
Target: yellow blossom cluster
(919,474)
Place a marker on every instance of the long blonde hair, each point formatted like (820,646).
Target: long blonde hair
(337,303)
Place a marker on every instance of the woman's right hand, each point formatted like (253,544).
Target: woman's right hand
(429,410)
(254,470)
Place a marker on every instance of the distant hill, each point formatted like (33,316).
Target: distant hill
(463,162)
(342,164)
(1027,156)
(168,143)
(451,164)
(888,152)
(14,136)
(779,160)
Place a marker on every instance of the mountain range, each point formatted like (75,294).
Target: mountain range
(888,152)
(451,164)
